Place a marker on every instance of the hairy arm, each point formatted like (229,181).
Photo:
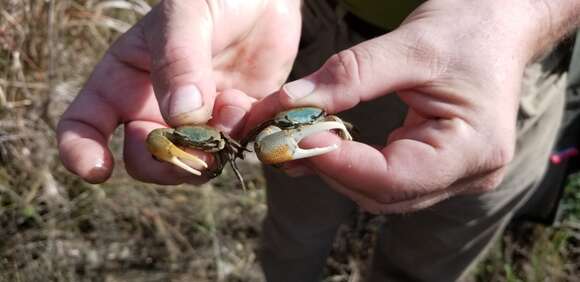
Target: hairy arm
(458,65)
(556,20)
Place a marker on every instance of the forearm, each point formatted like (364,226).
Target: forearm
(532,27)
(555,20)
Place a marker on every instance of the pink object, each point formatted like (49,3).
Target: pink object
(563,155)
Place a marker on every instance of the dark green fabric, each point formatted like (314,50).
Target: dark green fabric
(382,13)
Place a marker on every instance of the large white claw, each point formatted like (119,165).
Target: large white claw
(186,161)
(274,146)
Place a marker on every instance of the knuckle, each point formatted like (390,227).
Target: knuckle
(171,55)
(173,65)
(490,182)
(342,72)
(343,68)
(498,160)
(500,154)
(427,51)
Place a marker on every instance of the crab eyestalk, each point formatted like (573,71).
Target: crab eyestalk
(274,145)
(161,146)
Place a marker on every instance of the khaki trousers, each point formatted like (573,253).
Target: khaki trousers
(435,244)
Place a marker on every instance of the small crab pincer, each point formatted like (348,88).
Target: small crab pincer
(276,141)
(169,144)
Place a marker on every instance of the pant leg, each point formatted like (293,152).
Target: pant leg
(303,214)
(302,220)
(440,243)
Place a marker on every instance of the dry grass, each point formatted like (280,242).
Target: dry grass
(58,228)
(55,227)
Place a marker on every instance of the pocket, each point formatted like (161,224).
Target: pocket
(318,17)
(541,88)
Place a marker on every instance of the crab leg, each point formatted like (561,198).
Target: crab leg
(162,148)
(278,146)
(344,133)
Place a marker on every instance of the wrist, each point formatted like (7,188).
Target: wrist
(541,23)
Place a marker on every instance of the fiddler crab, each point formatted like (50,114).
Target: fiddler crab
(168,144)
(276,140)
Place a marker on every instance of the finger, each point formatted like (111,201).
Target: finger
(83,133)
(373,206)
(366,71)
(231,107)
(141,165)
(179,35)
(87,125)
(422,160)
(83,151)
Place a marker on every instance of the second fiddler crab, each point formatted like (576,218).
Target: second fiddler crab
(275,141)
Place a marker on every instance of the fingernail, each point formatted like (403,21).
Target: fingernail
(99,172)
(299,88)
(185,100)
(230,116)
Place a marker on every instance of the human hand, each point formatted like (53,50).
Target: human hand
(167,70)
(458,65)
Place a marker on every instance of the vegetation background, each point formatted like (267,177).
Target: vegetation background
(54,227)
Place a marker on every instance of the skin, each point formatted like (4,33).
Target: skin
(139,78)
(463,66)
(459,66)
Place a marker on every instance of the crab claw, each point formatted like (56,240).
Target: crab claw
(274,145)
(162,148)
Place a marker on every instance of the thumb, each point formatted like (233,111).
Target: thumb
(366,71)
(179,36)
